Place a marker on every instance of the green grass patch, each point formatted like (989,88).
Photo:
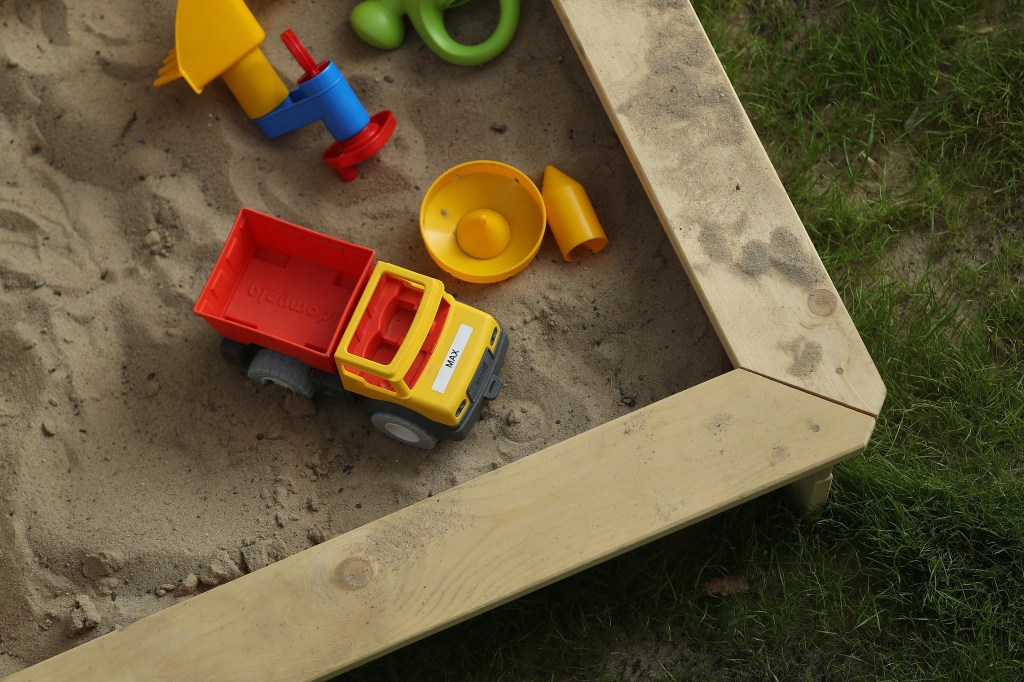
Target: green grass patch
(898,129)
(883,117)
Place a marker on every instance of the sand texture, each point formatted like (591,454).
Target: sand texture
(137,467)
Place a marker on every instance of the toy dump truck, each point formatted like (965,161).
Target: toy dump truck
(317,315)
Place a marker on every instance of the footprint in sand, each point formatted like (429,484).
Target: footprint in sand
(522,421)
(50,15)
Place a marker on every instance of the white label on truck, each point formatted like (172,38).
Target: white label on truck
(451,360)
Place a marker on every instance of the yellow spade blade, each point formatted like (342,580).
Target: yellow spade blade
(210,36)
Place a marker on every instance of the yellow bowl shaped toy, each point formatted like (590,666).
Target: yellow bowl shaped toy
(482,221)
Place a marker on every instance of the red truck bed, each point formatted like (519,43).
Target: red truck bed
(284,287)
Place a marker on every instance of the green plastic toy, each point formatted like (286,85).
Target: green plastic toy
(379,23)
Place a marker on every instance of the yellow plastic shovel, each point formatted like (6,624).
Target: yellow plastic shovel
(221,39)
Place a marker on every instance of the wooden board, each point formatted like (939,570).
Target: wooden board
(721,202)
(485,542)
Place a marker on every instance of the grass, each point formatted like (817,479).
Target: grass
(898,129)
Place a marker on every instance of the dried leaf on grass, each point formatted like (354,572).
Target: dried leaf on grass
(725,585)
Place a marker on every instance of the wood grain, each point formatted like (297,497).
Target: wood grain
(723,206)
(478,545)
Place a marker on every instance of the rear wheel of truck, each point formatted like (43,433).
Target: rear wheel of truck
(271,367)
(403,430)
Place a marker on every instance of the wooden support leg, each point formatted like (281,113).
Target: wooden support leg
(811,492)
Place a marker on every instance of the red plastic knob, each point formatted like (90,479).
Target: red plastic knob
(343,156)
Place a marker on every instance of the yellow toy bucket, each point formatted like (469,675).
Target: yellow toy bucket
(482,221)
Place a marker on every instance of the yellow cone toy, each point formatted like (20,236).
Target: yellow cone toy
(570,214)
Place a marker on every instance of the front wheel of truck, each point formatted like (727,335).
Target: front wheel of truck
(271,367)
(403,430)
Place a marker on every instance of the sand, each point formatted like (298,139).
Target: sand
(137,468)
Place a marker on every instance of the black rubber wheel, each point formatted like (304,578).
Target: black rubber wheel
(403,430)
(235,352)
(271,367)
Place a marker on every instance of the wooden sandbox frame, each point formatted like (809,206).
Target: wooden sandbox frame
(804,395)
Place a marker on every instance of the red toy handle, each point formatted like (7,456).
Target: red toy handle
(302,55)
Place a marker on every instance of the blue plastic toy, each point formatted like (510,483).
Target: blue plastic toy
(222,40)
(323,94)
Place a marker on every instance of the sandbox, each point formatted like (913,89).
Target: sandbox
(140,471)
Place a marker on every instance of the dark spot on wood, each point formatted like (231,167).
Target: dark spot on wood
(806,356)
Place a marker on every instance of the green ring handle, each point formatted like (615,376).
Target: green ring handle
(379,23)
